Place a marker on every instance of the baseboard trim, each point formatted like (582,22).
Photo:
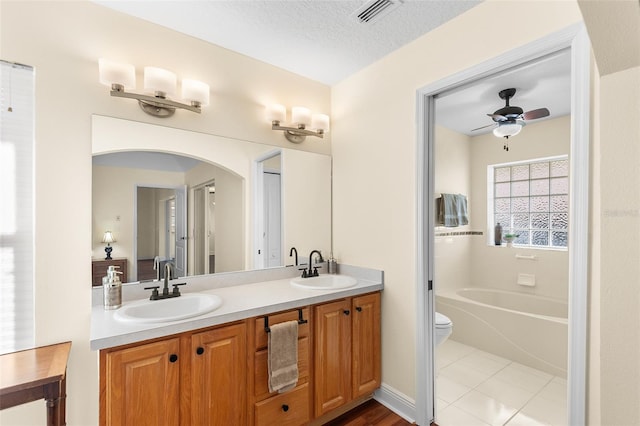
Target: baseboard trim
(397,402)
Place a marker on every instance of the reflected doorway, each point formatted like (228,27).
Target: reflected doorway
(204,218)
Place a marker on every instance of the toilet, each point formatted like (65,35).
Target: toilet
(444,327)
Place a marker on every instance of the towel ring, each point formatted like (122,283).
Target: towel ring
(301,320)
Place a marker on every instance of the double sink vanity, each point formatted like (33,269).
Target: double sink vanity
(201,358)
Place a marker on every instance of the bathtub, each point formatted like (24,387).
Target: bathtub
(528,329)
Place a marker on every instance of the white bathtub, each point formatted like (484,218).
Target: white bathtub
(528,329)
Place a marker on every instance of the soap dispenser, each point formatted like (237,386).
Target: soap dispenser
(112,288)
(332,265)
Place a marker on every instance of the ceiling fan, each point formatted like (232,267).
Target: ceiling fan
(509,120)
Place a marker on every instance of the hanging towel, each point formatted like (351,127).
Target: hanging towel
(461,209)
(283,356)
(449,209)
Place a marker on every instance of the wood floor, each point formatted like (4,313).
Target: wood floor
(370,413)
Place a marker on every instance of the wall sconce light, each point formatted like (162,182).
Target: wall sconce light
(108,238)
(161,83)
(301,118)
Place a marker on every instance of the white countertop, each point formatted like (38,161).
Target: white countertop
(239,302)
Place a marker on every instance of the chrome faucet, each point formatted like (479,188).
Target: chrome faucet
(313,270)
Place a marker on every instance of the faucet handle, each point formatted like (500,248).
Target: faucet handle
(176,291)
(154,293)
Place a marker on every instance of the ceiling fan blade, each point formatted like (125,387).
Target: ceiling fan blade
(535,113)
(498,117)
(484,127)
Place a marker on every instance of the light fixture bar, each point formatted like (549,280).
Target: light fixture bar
(155,105)
(296,134)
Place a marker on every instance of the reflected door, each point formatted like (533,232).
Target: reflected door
(181,232)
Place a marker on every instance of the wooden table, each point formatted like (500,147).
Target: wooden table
(34,374)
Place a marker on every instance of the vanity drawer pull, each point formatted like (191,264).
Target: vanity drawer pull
(346,312)
(359,308)
(200,350)
(285,407)
(173,358)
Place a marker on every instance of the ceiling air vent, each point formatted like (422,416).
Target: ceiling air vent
(372,10)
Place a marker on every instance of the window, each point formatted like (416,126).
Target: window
(16,208)
(531,199)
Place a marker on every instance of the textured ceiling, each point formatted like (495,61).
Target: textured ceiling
(319,39)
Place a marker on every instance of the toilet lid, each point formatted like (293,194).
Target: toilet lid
(442,320)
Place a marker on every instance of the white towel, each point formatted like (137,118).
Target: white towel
(283,356)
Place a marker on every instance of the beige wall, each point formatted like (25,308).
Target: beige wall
(63,41)
(378,227)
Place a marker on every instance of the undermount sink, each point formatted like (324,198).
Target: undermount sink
(325,282)
(178,308)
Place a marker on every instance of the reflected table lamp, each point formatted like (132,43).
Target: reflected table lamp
(108,238)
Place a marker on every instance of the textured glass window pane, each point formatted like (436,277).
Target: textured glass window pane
(503,174)
(540,221)
(520,189)
(539,204)
(502,190)
(521,220)
(540,187)
(520,205)
(520,172)
(523,236)
(559,239)
(503,220)
(560,168)
(540,238)
(559,221)
(502,205)
(560,185)
(539,170)
(559,203)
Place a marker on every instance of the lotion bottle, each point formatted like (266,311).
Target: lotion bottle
(112,289)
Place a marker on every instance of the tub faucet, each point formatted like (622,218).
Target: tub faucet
(313,270)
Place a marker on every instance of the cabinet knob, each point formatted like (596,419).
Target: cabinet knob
(200,350)
(173,358)
(285,407)
(359,308)
(346,312)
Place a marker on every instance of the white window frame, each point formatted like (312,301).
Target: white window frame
(509,227)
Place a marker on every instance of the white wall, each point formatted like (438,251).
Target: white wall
(374,148)
(63,41)
(497,267)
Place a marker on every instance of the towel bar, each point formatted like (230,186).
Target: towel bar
(301,320)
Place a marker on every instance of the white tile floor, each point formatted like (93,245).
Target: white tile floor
(478,388)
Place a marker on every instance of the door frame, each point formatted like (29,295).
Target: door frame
(259,254)
(574,37)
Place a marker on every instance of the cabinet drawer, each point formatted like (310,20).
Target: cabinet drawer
(262,371)
(287,409)
(261,335)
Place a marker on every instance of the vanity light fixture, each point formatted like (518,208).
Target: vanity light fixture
(108,238)
(159,83)
(303,122)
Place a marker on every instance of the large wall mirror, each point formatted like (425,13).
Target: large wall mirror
(204,203)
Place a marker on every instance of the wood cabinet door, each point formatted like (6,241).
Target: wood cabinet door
(365,323)
(219,376)
(332,366)
(141,385)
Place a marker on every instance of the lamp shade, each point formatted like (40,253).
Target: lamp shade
(108,237)
(508,129)
(159,80)
(300,115)
(276,112)
(320,122)
(195,91)
(117,73)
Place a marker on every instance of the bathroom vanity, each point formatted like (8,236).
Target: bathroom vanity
(212,369)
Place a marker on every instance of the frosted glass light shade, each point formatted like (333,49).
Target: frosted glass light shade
(300,115)
(276,112)
(320,122)
(117,73)
(195,91)
(159,80)
(508,129)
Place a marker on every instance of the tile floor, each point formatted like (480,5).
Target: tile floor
(476,388)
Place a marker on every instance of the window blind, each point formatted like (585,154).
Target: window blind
(16,207)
